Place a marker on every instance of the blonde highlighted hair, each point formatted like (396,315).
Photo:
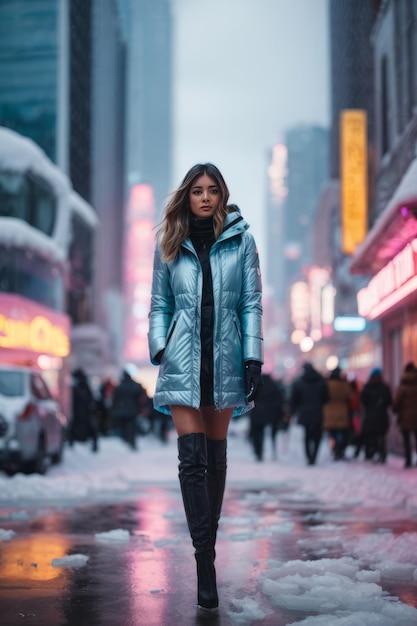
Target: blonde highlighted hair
(175,226)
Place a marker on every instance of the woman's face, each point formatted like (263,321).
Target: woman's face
(204,196)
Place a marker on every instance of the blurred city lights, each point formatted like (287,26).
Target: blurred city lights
(306,344)
(332,362)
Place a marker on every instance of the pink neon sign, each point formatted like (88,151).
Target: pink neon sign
(393,283)
(138,261)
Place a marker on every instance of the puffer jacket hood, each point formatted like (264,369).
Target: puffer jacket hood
(175,319)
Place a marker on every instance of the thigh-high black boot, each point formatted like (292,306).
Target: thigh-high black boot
(216,480)
(192,454)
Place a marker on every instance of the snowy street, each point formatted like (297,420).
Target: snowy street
(102,540)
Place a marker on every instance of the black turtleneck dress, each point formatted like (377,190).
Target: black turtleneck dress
(202,237)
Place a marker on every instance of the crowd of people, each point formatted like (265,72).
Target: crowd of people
(332,406)
(122,408)
(348,414)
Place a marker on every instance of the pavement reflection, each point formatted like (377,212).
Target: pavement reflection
(149,579)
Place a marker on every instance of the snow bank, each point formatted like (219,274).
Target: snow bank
(73,560)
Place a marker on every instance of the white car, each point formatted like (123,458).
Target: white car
(32,425)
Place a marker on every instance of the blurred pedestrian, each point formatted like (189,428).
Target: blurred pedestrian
(405,405)
(129,403)
(355,412)
(206,334)
(84,423)
(280,421)
(307,398)
(376,398)
(267,413)
(337,412)
(104,405)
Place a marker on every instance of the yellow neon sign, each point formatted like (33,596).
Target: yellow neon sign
(354,171)
(38,335)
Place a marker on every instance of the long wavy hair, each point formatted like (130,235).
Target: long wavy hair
(175,226)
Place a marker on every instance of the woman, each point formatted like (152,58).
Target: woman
(376,399)
(205,331)
(405,405)
(337,412)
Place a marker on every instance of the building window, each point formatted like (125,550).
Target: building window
(81,271)
(14,196)
(25,197)
(411,54)
(385,108)
(400,66)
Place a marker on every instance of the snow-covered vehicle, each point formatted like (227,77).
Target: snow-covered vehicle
(32,424)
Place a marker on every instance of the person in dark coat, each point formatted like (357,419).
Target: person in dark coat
(129,401)
(376,398)
(268,411)
(84,423)
(104,405)
(307,398)
(405,405)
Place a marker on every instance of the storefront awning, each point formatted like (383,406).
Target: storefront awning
(394,228)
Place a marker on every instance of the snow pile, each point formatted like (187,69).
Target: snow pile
(73,560)
(333,586)
(113,536)
(247,610)
(6,535)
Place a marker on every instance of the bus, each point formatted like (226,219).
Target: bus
(41,218)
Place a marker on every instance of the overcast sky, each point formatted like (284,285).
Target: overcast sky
(244,72)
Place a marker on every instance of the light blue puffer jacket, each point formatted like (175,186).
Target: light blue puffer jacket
(175,317)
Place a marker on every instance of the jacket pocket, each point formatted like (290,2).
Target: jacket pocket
(170,333)
(237,326)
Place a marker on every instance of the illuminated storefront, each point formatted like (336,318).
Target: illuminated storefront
(389,254)
(33,335)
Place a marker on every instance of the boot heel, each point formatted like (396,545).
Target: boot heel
(206,575)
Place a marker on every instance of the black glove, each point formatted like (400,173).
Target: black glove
(253,380)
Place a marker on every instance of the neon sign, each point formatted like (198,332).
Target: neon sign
(391,285)
(38,335)
(353,169)
(138,262)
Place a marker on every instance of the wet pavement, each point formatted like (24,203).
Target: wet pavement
(148,578)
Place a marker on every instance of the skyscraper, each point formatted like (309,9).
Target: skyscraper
(149,99)
(307,168)
(45,80)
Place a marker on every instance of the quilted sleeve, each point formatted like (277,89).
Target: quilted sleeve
(250,306)
(162,307)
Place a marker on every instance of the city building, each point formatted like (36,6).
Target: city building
(342,211)
(307,169)
(388,253)
(296,172)
(109,54)
(62,84)
(149,95)
(45,80)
